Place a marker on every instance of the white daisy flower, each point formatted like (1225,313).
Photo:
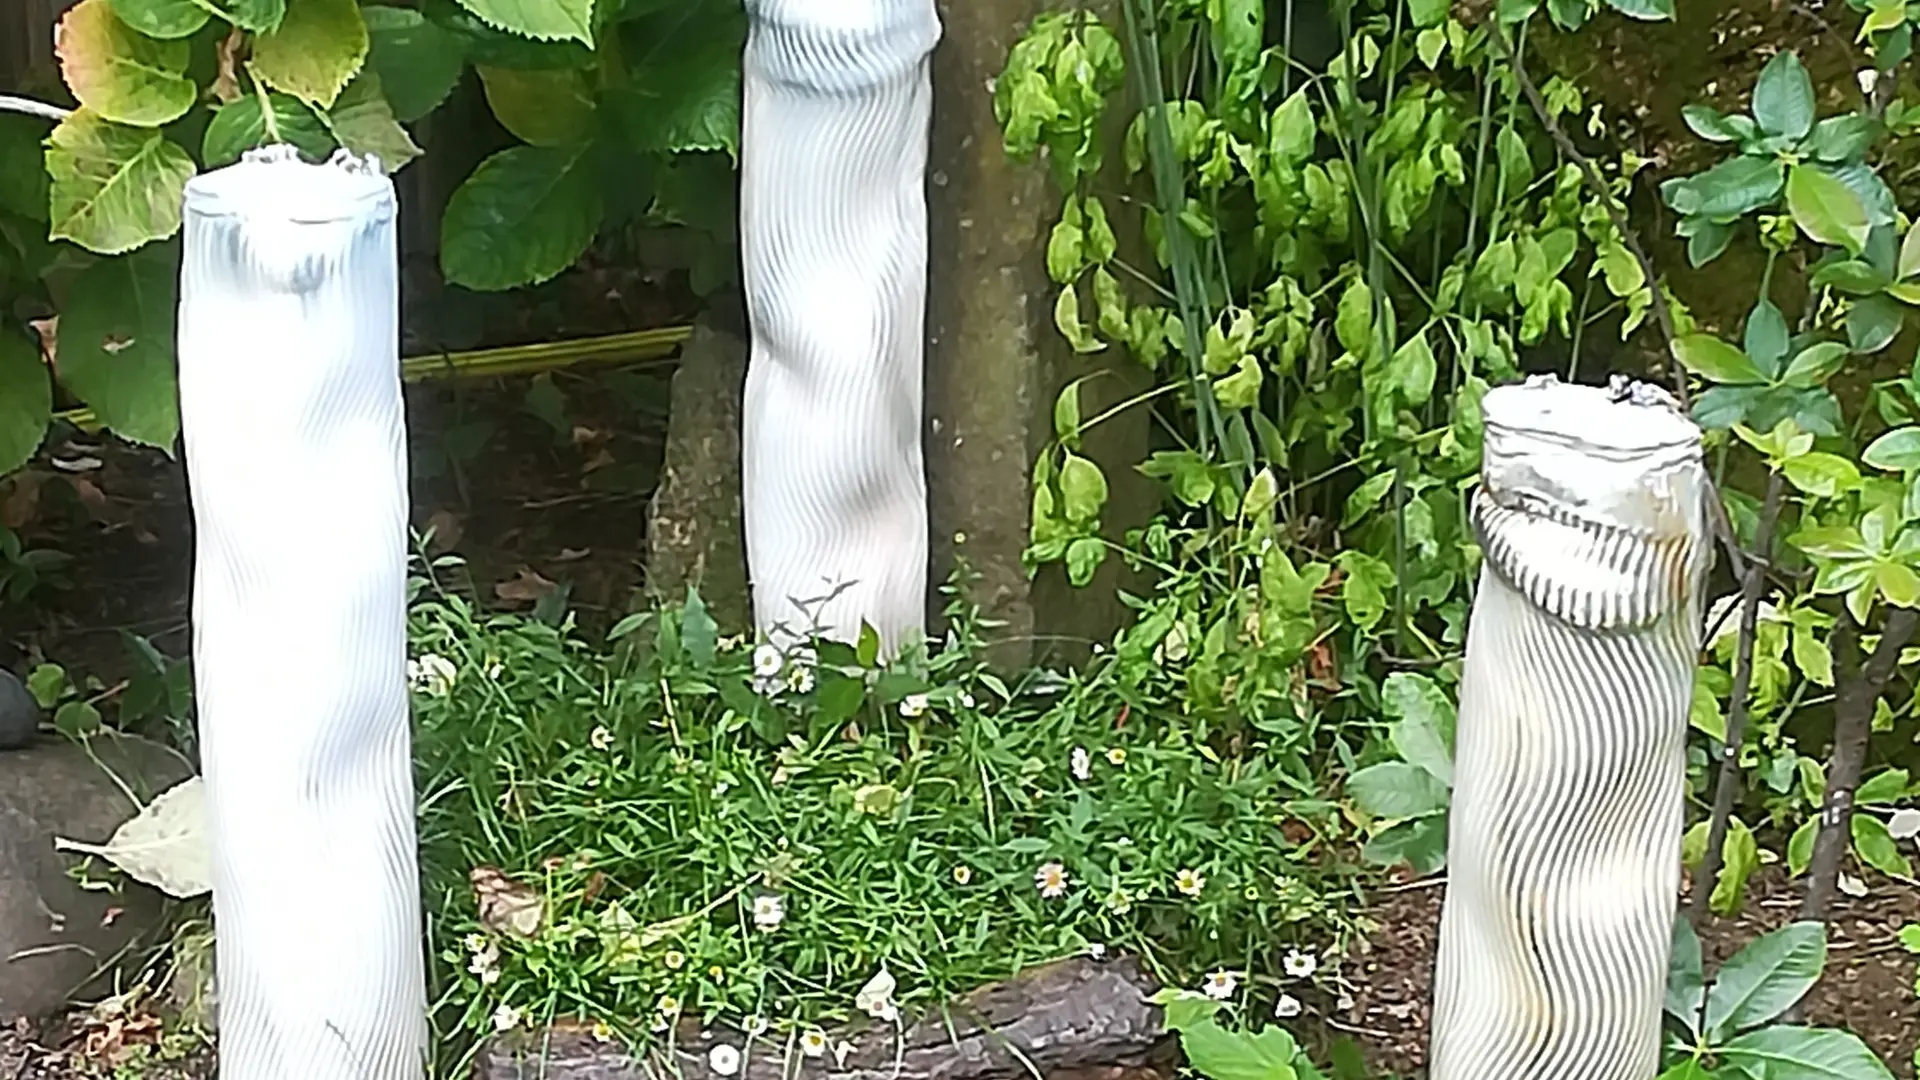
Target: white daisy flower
(769,911)
(1080,763)
(432,674)
(962,874)
(723,1059)
(876,998)
(1117,756)
(813,1043)
(767,661)
(1221,985)
(506,1018)
(1288,1006)
(1190,882)
(600,738)
(1051,879)
(1299,964)
(913,705)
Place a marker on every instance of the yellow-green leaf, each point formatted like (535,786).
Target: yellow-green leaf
(114,187)
(316,50)
(1825,209)
(1910,253)
(363,122)
(552,107)
(119,73)
(1715,360)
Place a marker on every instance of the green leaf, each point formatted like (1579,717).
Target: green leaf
(1291,134)
(1787,1052)
(1877,847)
(117,344)
(26,400)
(363,122)
(1910,253)
(241,124)
(1736,186)
(1766,337)
(1766,978)
(1428,12)
(1413,370)
(418,61)
(1065,255)
(1083,489)
(1822,475)
(1825,209)
(1843,138)
(1066,319)
(1712,126)
(1644,10)
(1397,789)
(1872,323)
(1800,846)
(23,173)
(1686,978)
(554,107)
(316,50)
(1783,100)
(1420,843)
(164,19)
(114,187)
(542,20)
(1353,318)
(524,215)
(1715,360)
(1850,276)
(683,91)
(1423,723)
(259,16)
(1219,1054)
(119,74)
(1814,365)
(1083,558)
(1896,451)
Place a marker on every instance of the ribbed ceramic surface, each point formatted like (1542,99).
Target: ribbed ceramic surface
(1564,838)
(833,225)
(296,459)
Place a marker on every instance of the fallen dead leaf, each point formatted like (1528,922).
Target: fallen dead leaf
(49,331)
(526,587)
(504,904)
(444,529)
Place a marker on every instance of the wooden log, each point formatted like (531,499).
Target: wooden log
(1073,1015)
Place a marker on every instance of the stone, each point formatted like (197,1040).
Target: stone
(57,938)
(694,536)
(19,712)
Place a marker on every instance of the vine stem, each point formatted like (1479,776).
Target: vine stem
(56,113)
(1726,790)
(1662,314)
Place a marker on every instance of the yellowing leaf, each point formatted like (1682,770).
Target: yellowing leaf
(164,845)
(542,107)
(543,20)
(1825,209)
(114,187)
(363,122)
(316,50)
(119,73)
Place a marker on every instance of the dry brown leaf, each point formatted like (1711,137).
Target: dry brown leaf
(226,83)
(526,587)
(505,905)
(49,331)
(89,494)
(446,529)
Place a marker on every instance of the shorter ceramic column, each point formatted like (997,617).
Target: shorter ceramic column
(833,225)
(1564,844)
(296,460)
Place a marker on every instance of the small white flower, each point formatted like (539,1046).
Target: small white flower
(1119,902)
(1051,879)
(840,1051)
(769,911)
(813,1043)
(876,998)
(723,1059)
(477,943)
(600,738)
(1221,985)
(506,1018)
(962,874)
(674,959)
(1904,824)
(1287,1006)
(1117,756)
(767,661)
(756,1026)
(495,669)
(1191,882)
(800,679)
(913,705)
(1868,78)
(966,700)
(1097,950)
(1299,964)
(432,674)
(1081,764)
(1172,648)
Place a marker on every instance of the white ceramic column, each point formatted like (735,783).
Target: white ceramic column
(296,460)
(1564,846)
(833,224)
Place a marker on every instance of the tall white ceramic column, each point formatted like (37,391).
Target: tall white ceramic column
(1564,845)
(833,224)
(296,460)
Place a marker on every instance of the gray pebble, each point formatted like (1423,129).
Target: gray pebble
(19,713)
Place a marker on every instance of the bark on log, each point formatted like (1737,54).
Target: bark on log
(1074,1014)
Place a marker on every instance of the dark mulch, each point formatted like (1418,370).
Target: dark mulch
(1869,987)
(85,1047)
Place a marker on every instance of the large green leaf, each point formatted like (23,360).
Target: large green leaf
(551,107)
(1873,322)
(1736,186)
(259,16)
(242,124)
(1877,848)
(1420,843)
(1766,337)
(1219,1054)
(484,44)
(23,174)
(1715,360)
(363,122)
(117,344)
(522,217)
(119,73)
(114,187)
(1897,450)
(543,20)
(1397,789)
(1423,722)
(1788,1052)
(419,62)
(164,19)
(1686,978)
(26,400)
(315,51)
(1825,209)
(1783,100)
(1766,978)
(684,91)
